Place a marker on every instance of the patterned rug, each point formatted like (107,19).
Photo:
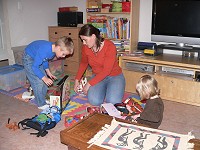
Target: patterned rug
(16,93)
(125,136)
(77,104)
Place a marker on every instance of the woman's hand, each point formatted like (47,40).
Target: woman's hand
(47,81)
(86,88)
(50,74)
(76,86)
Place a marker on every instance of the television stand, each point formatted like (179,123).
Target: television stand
(180,48)
(178,77)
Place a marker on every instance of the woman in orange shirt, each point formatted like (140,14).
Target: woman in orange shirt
(107,83)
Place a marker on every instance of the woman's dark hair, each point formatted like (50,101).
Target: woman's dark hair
(88,30)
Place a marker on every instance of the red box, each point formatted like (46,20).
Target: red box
(64,9)
(126,6)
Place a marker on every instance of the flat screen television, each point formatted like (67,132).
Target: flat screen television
(176,21)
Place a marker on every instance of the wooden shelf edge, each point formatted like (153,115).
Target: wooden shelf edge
(108,13)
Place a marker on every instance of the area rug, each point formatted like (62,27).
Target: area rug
(78,103)
(17,93)
(125,136)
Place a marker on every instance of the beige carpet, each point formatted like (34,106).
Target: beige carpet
(179,118)
(21,140)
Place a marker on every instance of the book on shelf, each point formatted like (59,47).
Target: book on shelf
(103,32)
(95,20)
(94,17)
(119,45)
(108,28)
(119,22)
(128,30)
(93,9)
(124,28)
(127,45)
(98,24)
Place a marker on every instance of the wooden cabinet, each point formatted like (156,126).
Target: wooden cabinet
(132,16)
(71,63)
(176,75)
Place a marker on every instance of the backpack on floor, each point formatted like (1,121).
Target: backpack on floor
(46,120)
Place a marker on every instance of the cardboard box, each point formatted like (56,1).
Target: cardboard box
(64,9)
(12,77)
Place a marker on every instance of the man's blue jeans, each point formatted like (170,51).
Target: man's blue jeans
(109,90)
(38,86)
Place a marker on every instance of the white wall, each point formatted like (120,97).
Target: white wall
(145,20)
(3,51)
(28,20)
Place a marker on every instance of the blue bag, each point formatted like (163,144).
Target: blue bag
(46,120)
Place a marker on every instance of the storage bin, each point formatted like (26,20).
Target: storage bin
(12,77)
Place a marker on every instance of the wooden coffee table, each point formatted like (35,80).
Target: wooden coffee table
(77,136)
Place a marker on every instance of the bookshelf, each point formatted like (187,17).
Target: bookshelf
(119,25)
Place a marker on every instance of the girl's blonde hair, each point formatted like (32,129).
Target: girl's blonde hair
(65,43)
(147,87)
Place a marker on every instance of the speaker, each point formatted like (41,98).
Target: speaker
(70,19)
